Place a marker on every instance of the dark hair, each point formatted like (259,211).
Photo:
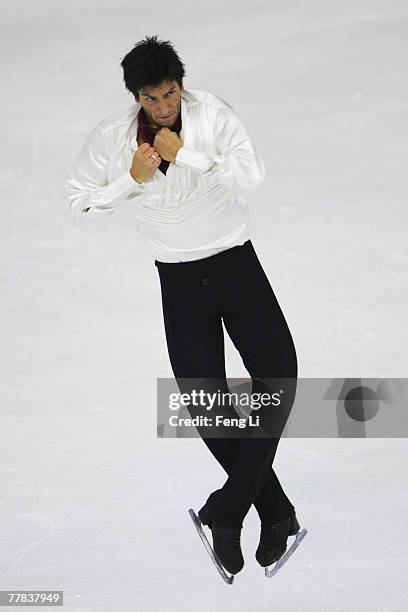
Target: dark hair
(151,62)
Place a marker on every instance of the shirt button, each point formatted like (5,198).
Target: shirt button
(205,281)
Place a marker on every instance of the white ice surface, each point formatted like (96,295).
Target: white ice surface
(91,502)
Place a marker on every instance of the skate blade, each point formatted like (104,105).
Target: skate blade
(269,572)
(199,526)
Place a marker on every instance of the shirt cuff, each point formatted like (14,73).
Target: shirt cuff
(194,160)
(116,190)
(125,181)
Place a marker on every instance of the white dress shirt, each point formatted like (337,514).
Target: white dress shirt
(192,211)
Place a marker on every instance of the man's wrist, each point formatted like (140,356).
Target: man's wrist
(174,160)
(134,178)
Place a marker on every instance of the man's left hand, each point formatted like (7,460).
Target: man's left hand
(167,144)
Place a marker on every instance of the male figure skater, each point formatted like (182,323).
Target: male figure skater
(180,156)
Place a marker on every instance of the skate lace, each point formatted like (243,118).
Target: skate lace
(234,537)
(273,532)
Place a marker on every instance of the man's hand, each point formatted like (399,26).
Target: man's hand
(143,165)
(167,143)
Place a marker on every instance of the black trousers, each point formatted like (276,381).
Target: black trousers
(231,287)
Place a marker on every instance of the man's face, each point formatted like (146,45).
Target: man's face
(161,103)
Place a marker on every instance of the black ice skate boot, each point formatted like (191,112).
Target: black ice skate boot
(226,542)
(273,539)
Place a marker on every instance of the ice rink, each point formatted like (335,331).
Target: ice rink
(92,502)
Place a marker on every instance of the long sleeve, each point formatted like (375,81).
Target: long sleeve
(87,185)
(236,166)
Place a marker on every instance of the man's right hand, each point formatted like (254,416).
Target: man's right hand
(143,166)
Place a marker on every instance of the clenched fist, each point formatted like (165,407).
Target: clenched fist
(167,143)
(143,164)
